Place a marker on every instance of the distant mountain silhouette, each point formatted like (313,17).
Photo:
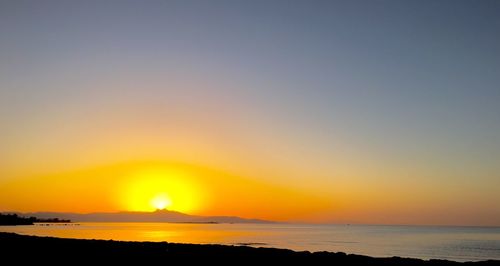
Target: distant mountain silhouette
(156,216)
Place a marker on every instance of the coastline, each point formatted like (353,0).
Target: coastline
(66,250)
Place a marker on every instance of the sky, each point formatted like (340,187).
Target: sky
(383,112)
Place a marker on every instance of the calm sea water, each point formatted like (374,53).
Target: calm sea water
(426,242)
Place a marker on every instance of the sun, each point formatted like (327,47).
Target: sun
(161,201)
(159,189)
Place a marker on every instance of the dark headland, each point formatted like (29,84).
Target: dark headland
(14,219)
(52,250)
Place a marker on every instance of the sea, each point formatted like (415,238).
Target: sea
(455,243)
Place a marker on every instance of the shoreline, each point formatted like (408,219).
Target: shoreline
(52,249)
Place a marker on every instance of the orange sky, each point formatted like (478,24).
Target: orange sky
(132,186)
(204,191)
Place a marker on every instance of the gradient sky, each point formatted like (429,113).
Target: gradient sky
(372,111)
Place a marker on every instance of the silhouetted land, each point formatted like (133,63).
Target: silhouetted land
(14,219)
(52,250)
(158,216)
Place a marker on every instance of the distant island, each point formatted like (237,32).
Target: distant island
(158,216)
(15,219)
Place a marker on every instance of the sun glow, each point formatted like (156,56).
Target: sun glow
(161,201)
(161,189)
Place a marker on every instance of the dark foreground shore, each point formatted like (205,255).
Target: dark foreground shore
(70,251)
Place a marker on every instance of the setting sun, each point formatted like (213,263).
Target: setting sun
(158,189)
(161,201)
